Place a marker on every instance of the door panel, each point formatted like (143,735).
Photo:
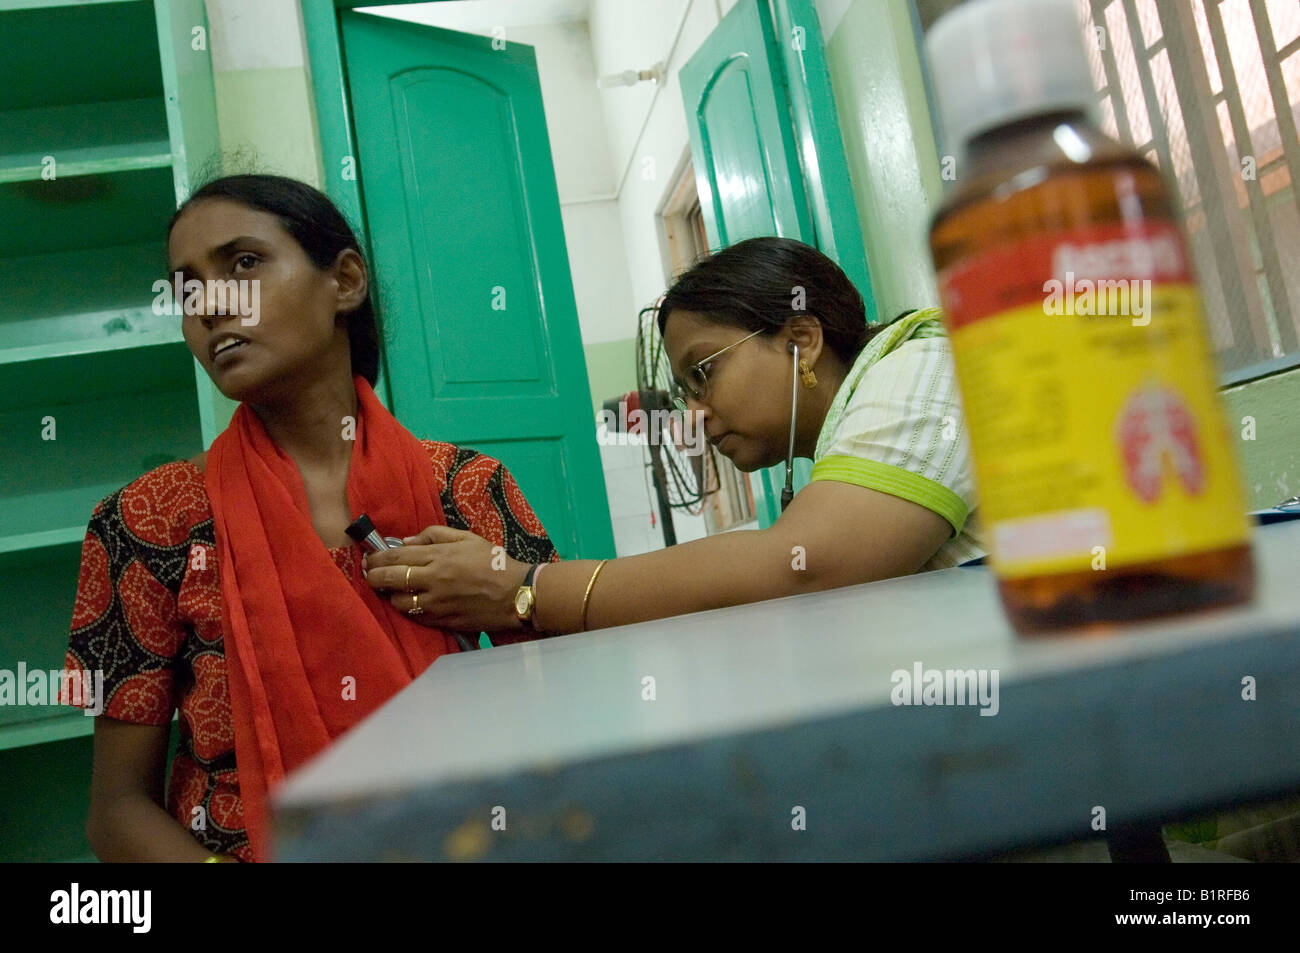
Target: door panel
(475,289)
(442,119)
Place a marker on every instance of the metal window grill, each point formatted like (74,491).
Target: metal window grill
(1209,90)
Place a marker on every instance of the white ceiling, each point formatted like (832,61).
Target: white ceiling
(480,16)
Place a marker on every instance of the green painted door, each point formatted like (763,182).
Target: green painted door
(464,222)
(768,156)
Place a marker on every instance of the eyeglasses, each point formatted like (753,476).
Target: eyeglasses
(697,380)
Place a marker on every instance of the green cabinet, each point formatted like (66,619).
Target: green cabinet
(105,118)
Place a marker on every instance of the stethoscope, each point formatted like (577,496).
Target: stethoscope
(787,494)
(372,541)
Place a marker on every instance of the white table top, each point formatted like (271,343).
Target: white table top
(565,718)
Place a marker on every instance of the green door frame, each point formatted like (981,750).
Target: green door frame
(320,20)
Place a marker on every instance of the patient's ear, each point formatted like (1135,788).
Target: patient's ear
(353,282)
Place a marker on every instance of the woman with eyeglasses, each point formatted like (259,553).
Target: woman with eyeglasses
(769,343)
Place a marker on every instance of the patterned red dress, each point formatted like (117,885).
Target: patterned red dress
(148,614)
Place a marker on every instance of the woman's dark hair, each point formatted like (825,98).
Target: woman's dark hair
(761,283)
(321,230)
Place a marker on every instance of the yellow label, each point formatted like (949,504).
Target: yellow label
(1098,441)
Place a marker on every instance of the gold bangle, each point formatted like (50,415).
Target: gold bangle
(587,597)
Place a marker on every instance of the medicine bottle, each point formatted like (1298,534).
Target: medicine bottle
(1106,473)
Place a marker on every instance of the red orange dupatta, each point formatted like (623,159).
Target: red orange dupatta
(295,628)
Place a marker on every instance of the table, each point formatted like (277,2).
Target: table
(771,734)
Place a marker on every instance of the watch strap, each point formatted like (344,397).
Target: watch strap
(527,620)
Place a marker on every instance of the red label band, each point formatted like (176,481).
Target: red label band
(1059,268)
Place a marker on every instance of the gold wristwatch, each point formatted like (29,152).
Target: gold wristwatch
(525,601)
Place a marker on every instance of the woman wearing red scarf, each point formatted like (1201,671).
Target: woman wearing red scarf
(226,585)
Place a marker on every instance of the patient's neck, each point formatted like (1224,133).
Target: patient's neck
(310,424)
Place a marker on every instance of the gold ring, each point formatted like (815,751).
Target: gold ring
(415,609)
(407,584)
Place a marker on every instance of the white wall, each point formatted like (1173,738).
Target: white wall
(633,508)
(254,34)
(631,34)
(830,13)
(646,123)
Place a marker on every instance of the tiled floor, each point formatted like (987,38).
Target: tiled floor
(632,500)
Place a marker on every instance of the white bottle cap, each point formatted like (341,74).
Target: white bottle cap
(997,61)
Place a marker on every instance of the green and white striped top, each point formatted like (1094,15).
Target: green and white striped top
(896,426)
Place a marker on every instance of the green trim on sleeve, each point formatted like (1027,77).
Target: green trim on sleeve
(895,481)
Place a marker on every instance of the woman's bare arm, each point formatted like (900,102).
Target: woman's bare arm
(127,819)
(832,534)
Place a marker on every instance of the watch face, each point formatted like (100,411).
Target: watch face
(523,602)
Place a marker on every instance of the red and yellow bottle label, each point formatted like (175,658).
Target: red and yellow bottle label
(1090,393)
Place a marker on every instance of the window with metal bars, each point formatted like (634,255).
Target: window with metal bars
(1209,90)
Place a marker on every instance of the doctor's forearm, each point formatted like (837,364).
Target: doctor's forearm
(724,570)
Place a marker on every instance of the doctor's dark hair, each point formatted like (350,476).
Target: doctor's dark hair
(753,285)
(322,232)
